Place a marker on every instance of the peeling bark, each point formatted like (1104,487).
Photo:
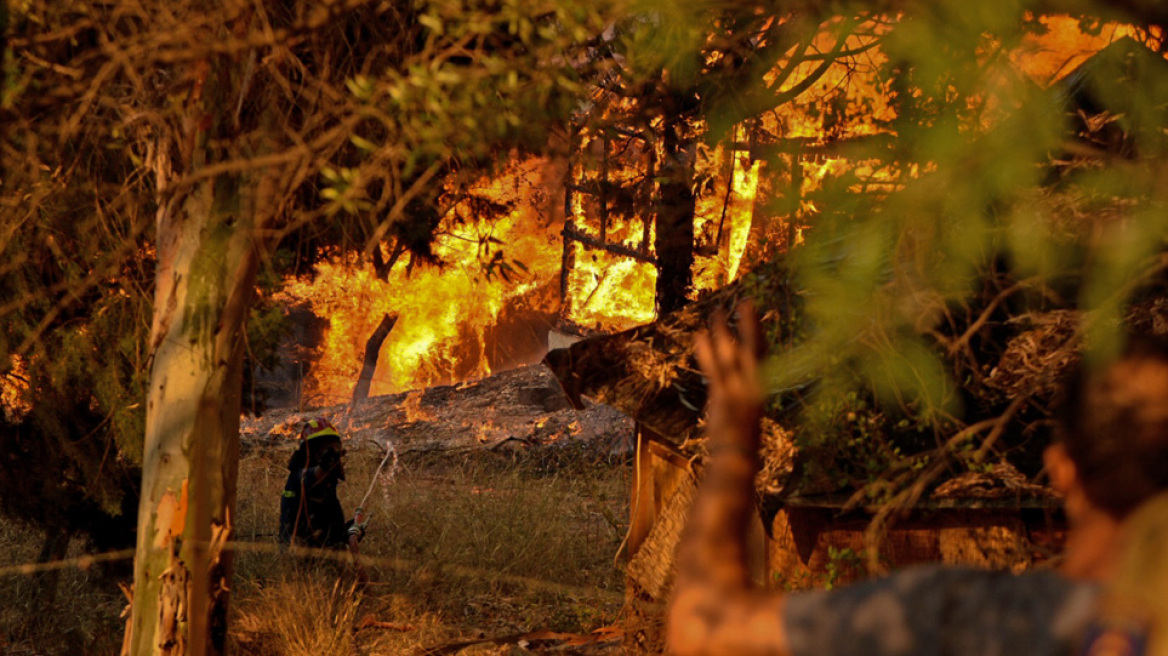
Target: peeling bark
(207,274)
(209,247)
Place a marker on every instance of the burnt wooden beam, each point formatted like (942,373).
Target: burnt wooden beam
(649,372)
(647,224)
(570,233)
(813,146)
(591,188)
(568,257)
(605,370)
(603,184)
(630,133)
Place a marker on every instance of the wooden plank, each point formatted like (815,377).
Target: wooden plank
(570,233)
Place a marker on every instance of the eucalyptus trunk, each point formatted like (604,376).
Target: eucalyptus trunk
(206,277)
(208,253)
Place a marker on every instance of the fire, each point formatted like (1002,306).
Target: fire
(849,98)
(610,292)
(412,407)
(485,431)
(445,313)
(14,388)
(453,321)
(1047,57)
(850,102)
(725,217)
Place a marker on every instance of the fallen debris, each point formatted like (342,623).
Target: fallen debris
(605,640)
(371,622)
(512,410)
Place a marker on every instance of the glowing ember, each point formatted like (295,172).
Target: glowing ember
(485,431)
(14,391)
(412,407)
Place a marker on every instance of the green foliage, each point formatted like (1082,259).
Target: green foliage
(841,562)
(489,76)
(848,443)
(669,37)
(73,345)
(843,565)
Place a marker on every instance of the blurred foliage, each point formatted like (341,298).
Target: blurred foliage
(923,307)
(956,228)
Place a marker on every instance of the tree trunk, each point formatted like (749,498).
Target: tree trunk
(372,351)
(206,274)
(48,582)
(4,121)
(208,252)
(675,214)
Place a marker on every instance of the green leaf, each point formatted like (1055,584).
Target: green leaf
(362,143)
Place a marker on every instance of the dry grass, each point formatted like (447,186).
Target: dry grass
(300,615)
(73,610)
(456,549)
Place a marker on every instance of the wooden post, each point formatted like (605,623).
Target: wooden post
(795,200)
(602,191)
(568,260)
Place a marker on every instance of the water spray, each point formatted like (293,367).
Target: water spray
(359,513)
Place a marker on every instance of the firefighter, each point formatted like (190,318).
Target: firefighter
(310,512)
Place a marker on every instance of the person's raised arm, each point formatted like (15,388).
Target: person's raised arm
(713,611)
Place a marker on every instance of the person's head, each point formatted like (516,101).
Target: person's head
(320,444)
(1112,430)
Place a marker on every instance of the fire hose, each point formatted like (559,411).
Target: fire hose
(359,521)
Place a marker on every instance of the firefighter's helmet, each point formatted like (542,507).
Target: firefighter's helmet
(318,427)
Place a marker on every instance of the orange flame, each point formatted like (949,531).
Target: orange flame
(453,319)
(412,407)
(445,313)
(1047,57)
(485,431)
(14,401)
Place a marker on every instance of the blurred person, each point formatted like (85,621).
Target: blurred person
(310,512)
(1109,460)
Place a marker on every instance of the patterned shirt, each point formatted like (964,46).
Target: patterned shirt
(942,611)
